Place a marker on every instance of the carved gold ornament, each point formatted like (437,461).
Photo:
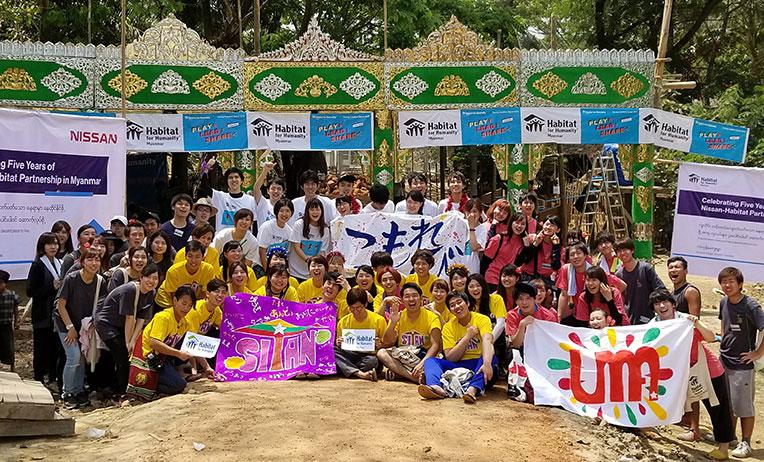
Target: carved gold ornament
(589,84)
(500,155)
(626,154)
(452,42)
(16,79)
(452,85)
(133,83)
(383,119)
(211,85)
(627,85)
(550,84)
(644,153)
(643,198)
(642,231)
(314,86)
(518,178)
(383,154)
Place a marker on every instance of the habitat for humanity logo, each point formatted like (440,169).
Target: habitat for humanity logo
(534,123)
(694,178)
(651,123)
(414,127)
(261,127)
(133,131)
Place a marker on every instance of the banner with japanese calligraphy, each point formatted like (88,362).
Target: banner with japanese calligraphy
(633,376)
(445,235)
(265,338)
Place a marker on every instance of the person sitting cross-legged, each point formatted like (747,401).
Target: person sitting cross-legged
(356,363)
(467,344)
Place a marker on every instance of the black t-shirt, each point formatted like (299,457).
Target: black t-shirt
(79,299)
(110,315)
(740,323)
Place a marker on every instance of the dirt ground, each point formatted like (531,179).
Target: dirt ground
(339,419)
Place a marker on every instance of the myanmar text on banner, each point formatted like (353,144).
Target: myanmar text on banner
(279,131)
(56,167)
(720,212)
(400,235)
(342,132)
(551,125)
(583,370)
(265,338)
(418,129)
(224,131)
(490,126)
(155,132)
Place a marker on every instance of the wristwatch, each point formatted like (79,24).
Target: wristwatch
(69,326)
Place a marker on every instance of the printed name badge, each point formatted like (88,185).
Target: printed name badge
(644,319)
(178,232)
(361,340)
(200,346)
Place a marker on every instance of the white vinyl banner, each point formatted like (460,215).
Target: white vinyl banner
(154,132)
(278,131)
(719,219)
(664,129)
(633,376)
(56,167)
(429,128)
(551,125)
(358,236)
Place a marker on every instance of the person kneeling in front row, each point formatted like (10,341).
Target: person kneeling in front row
(356,363)
(467,344)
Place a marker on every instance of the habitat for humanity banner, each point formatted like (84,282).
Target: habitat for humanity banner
(56,167)
(634,376)
(265,338)
(719,219)
(446,236)
(310,132)
(155,133)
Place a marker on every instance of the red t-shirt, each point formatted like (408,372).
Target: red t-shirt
(514,317)
(510,248)
(582,309)
(562,281)
(715,368)
(544,258)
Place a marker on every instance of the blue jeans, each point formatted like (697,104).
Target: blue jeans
(74,368)
(170,381)
(435,367)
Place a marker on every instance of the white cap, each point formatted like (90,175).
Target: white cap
(120,218)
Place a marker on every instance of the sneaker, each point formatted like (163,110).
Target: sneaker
(70,401)
(742,450)
(83,399)
(716,454)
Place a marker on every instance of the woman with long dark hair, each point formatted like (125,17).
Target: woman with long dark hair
(63,232)
(233,252)
(43,282)
(364,279)
(277,284)
(505,248)
(310,237)
(491,305)
(599,295)
(161,251)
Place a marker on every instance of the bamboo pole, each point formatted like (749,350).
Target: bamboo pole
(123,16)
(238,12)
(90,21)
(660,61)
(384,17)
(256,7)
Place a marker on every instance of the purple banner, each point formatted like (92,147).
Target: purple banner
(264,338)
(724,206)
(38,173)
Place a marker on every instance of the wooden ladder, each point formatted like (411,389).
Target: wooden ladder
(603,196)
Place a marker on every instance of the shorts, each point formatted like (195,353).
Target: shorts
(408,356)
(741,388)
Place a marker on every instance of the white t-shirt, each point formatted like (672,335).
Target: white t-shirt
(430,208)
(270,235)
(314,244)
(228,206)
(248,244)
(299,209)
(389,208)
(357,202)
(264,211)
(472,259)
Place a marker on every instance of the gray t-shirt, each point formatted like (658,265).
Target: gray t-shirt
(740,322)
(639,284)
(79,299)
(118,278)
(110,315)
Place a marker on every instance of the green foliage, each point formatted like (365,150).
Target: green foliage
(18,19)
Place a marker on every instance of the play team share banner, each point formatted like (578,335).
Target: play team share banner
(265,338)
(634,376)
(719,219)
(56,167)
(529,125)
(358,236)
(238,131)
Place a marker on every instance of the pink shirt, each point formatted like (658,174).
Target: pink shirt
(544,261)
(506,253)
(583,309)
(515,316)
(715,368)
(562,281)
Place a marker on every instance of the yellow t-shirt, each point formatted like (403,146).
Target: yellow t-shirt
(445,315)
(497,306)
(292,282)
(290,296)
(307,291)
(211,256)
(372,321)
(200,320)
(417,332)
(164,328)
(426,287)
(252,282)
(244,290)
(342,305)
(178,276)
(453,331)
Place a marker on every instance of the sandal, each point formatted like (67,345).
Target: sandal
(389,375)
(469,398)
(373,375)
(688,436)
(427,392)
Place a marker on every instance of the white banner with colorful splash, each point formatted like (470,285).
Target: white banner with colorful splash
(634,376)
(446,235)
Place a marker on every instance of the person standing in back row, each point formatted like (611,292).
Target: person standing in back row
(687,296)
(179,228)
(228,203)
(641,280)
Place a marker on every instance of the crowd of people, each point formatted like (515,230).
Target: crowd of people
(142,285)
